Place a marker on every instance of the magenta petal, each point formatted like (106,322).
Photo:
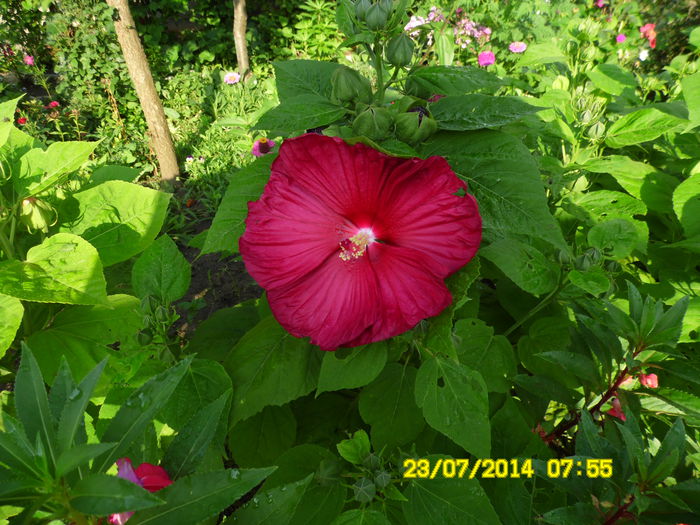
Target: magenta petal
(120,519)
(126,471)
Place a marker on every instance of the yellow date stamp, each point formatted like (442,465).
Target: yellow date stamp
(505,468)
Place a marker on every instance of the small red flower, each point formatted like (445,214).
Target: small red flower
(616,410)
(52,104)
(649,32)
(151,477)
(22,121)
(189,203)
(649,380)
(353,245)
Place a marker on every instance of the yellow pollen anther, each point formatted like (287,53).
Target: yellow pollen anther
(355,246)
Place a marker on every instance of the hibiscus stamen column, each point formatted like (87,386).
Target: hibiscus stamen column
(355,246)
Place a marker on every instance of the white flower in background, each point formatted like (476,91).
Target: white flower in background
(643,54)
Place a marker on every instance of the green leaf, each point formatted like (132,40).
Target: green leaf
(580,365)
(455,402)
(356,449)
(197,497)
(216,335)
(7,109)
(319,505)
(229,222)
(268,366)
(448,502)
(42,169)
(262,438)
(300,113)
(79,455)
(612,79)
(63,386)
(73,413)
(109,172)
(524,264)
(576,513)
(11,312)
(615,238)
(505,181)
(16,451)
(32,404)
(641,126)
(191,443)
(691,95)
(686,204)
(427,81)
(118,218)
(476,111)
(479,349)
(542,53)
(388,405)
(361,517)
(445,47)
(82,333)
(664,462)
(594,281)
(694,38)
(351,368)
(62,269)
(137,412)
(303,77)
(161,271)
(101,494)
(275,506)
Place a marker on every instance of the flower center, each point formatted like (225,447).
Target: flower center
(354,247)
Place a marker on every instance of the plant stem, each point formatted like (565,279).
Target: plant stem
(536,309)
(6,245)
(620,512)
(380,74)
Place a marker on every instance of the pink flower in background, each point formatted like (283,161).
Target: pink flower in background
(262,146)
(29,60)
(517,47)
(616,410)
(486,58)
(232,77)
(22,121)
(352,245)
(435,98)
(649,380)
(52,104)
(600,3)
(620,38)
(151,477)
(648,31)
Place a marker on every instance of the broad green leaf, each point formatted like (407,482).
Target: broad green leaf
(664,463)
(686,204)
(303,77)
(612,79)
(319,505)
(691,95)
(229,222)
(32,404)
(615,238)
(118,218)
(101,494)
(62,269)
(476,111)
(691,322)
(275,506)
(388,406)
(445,47)
(11,312)
(268,366)
(216,335)
(42,169)
(110,172)
(448,502)
(351,368)
(580,365)
(542,53)
(454,400)
(356,449)
(694,38)
(63,386)
(73,413)
(524,264)
(191,443)
(16,451)
(197,497)
(505,180)
(137,412)
(576,513)
(594,281)
(82,333)
(7,109)
(361,517)
(641,126)
(298,462)
(427,81)
(260,439)
(161,271)
(546,388)
(79,455)
(300,113)
(479,349)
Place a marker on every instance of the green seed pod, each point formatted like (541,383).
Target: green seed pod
(373,123)
(399,50)
(361,8)
(348,85)
(145,337)
(596,131)
(36,214)
(161,314)
(382,479)
(376,17)
(413,129)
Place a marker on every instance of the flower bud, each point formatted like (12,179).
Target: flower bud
(414,128)
(348,85)
(596,131)
(145,337)
(376,17)
(361,8)
(399,50)
(36,214)
(373,123)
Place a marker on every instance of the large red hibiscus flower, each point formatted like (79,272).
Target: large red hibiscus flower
(352,245)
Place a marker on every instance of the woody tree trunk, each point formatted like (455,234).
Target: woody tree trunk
(240,20)
(140,74)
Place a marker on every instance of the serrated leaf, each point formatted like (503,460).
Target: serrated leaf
(161,271)
(427,81)
(356,449)
(351,368)
(641,126)
(361,517)
(262,438)
(476,111)
(276,505)
(300,113)
(79,455)
(101,494)
(686,204)
(524,264)
(303,77)
(11,312)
